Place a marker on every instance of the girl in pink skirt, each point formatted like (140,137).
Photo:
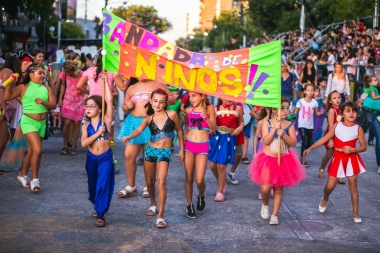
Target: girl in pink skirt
(265,169)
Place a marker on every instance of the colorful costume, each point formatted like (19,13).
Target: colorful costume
(34,91)
(369,102)
(156,155)
(132,122)
(222,144)
(100,174)
(195,121)
(345,165)
(265,170)
(72,104)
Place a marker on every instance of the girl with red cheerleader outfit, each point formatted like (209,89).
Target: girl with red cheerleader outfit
(346,161)
(333,116)
(265,169)
(229,123)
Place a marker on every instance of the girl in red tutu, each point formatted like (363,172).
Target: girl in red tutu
(346,161)
(265,169)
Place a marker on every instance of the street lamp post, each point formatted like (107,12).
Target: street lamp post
(52,28)
(204,41)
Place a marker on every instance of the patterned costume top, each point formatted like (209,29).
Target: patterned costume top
(274,143)
(91,131)
(196,121)
(167,130)
(342,164)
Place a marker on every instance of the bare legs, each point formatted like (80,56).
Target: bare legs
(219,171)
(199,164)
(277,197)
(159,170)
(4,136)
(353,188)
(33,158)
(131,152)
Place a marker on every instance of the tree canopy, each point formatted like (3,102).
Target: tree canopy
(32,8)
(143,16)
(273,16)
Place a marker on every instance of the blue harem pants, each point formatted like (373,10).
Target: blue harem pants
(101,180)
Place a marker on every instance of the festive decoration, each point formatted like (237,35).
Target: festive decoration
(249,75)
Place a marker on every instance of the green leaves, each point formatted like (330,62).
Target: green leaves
(143,16)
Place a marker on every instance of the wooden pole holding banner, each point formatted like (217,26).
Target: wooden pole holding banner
(279,138)
(103,96)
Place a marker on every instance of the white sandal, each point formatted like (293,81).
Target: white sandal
(24,180)
(145,193)
(127,192)
(160,223)
(151,211)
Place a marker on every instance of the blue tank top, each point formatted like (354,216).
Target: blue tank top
(167,130)
(286,130)
(91,131)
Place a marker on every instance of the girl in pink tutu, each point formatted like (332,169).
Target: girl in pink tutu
(346,160)
(265,169)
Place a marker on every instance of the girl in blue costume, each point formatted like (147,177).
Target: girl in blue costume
(36,99)
(229,123)
(162,124)
(99,162)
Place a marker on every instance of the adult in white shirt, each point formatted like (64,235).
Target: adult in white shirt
(338,81)
(330,61)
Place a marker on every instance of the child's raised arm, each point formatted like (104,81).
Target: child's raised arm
(109,99)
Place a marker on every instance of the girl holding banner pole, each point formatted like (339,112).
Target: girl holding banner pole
(278,136)
(99,162)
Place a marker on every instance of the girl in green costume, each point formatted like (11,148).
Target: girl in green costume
(36,98)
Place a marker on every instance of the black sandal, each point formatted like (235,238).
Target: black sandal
(64,151)
(73,152)
(100,222)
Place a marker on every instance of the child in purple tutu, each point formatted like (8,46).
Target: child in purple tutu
(265,169)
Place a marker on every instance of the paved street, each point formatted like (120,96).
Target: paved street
(58,219)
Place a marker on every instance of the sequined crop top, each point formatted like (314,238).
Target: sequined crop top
(167,130)
(274,144)
(91,131)
(197,122)
(141,97)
